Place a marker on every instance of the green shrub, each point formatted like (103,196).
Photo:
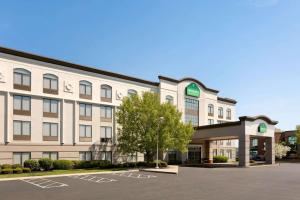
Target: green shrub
(220,159)
(32,164)
(26,170)
(102,164)
(16,166)
(77,164)
(62,164)
(252,161)
(141,164)
(46,164)
(18,170)
(6,166)
(7,171)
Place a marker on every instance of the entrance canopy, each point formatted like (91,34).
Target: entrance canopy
(246,127)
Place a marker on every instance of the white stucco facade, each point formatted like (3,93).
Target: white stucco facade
(68,144)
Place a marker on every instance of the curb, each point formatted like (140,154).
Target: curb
(63,175)
(161,172)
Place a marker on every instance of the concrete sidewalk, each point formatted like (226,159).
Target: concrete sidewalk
(171,169)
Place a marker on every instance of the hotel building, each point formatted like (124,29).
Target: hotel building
(60,110)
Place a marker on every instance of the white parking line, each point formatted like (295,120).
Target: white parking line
(44,183)
(94,179)
(134,175)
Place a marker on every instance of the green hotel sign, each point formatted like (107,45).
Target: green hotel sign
(192,90)
(262,128)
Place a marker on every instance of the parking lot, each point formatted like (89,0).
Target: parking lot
(276,182)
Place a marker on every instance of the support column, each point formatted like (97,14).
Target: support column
(244,150)
(209,152)
(270,150)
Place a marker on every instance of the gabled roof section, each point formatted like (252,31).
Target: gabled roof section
(227,100)
(188,79)
(74,66)
(262,117)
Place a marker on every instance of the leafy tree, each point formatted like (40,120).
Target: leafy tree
(298,134)
(144,119)
(281,150)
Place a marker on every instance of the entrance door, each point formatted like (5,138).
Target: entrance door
(194,154)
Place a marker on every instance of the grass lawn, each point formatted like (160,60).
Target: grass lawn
(58,172)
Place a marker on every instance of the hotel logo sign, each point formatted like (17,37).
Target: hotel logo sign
(192,90)
(262,128)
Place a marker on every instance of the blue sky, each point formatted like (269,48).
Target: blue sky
(247,49)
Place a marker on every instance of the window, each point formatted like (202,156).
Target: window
(50,155)
(106,133)
(254,142)
(105,155)
(131,92)
(50,108)
(228,114)
(210,110)
(222,152)
(215,152)
(192,111)
(50,131)
(50,84)
(22,105)
(85,133)
(22,79)
(85,155)
(220,112)
(292,139)
(20,157)
(228,143)
(85,90)
(210,121)
(106,113)
(169,99)
(106,93)
(229,153)
(221,142)
(22,130)
(85,111)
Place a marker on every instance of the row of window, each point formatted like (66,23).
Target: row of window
(20,157)
(22,81)
(22,106)
(220,112)
(221,152)
(22,131)
(211,121)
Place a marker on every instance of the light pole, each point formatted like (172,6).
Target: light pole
(160,120)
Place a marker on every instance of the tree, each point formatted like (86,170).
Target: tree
(281,150)
(298,134)
(140,126)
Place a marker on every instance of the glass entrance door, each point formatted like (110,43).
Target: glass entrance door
(194,154)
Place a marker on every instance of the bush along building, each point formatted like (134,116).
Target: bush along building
(61,110)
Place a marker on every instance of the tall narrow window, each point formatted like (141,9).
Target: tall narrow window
(20,157)
(22,79)
(192,111)
(85,111)
(85,155)
(131,92)
(220,112)
(106,93)
(50,84)
(50,131)
(105,155)
(228,114)
(50,108)
(85,133)
(22,105)
(106,134)
(85,90)
(169,99)
(106,113)
(211,110)
(50,155)
(22,130)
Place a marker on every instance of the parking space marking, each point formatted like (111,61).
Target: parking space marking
(95,179)
(134,175)
(44,183)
